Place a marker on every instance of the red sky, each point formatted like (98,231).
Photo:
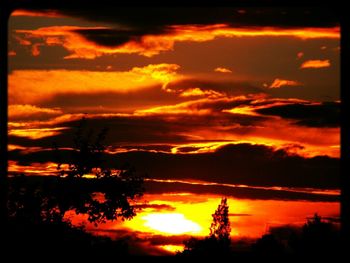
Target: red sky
(232,99)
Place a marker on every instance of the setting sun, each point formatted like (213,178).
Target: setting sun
(171,223)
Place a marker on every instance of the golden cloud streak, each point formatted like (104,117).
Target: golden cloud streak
(38,85)
(194,92)
(253,106)
(244,110)
(150,45)
(189,107)
(48,168)
(26,110)
(278,83)
(222,70)
(193,106)
(316,64)
(172,248)
(36,133)
(22,12)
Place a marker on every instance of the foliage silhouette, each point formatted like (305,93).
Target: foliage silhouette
(315,239)
(34,222)
(37,205)
(107,193)
(220,227)
(218,242)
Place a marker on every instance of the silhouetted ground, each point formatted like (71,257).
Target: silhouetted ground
(31,233)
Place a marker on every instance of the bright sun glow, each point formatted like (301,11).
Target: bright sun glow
(171,223)
(172,248)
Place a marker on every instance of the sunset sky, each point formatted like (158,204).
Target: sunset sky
(208,102)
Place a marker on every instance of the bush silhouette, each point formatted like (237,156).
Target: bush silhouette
(268,246)
(318,237)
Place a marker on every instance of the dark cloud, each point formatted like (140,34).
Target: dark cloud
(150,96)
(27,158)
(131,130)
(159,129)
(167,240)
(140,243)
(113,37)
(254,165)
(241,164)
(143,243)
(237,192)
(153,17)
(326,114)
(186,149)
(153,147)
(109,102)
(138,21)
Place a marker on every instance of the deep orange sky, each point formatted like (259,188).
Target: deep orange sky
(237,102)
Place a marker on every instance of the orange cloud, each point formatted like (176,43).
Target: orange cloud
(267,131)
(199,33)
(165,73)
(245,110)
(25,111)
(199,92)
(181,108)
(66,37)
(36,133)
(200,106)
(194,107)
(31,86)
(12,53)
(20,12)
(316,64)
(22,41)
(222,70)
(48,168)
(150,45)
(204,147)
(278,83)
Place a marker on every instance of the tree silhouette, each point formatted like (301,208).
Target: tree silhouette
(86,186)
(220,227)
(218,242)
(87,154)
(37,205)
(107,193)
